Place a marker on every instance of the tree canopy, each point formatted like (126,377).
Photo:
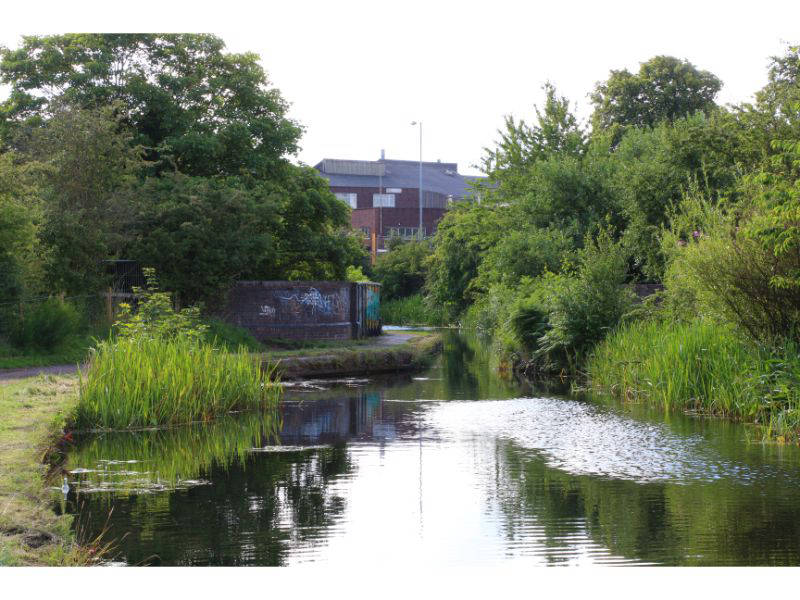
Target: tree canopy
(665,88)
(193,106)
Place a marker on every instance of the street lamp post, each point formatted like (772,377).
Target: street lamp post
(419,232)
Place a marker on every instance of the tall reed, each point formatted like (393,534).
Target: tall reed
(703,367)
(143,381)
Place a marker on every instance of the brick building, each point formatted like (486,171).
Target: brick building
(384,194)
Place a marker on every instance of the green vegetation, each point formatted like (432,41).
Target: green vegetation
(411,310)
(34,414)
(702,367)
(160,370)
(160,148)
(146,382)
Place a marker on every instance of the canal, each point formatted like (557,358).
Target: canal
(452,466)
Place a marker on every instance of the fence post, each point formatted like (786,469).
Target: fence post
(109,306)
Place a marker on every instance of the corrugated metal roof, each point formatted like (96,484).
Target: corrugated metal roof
(436,176)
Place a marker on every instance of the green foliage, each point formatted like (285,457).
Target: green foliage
(401,270)
(592,303)
(705,367)
(155,318)
(665,88)
(726,262)
(230,337)
(526,252)
(149,381)
(203,234)
(655,167)
(85,161)
(47,326)
(556,133)
(463,235)
(410,310)
(194,106)
(355,274)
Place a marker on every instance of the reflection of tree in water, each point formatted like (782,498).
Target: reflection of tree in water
(457,354)
(253,513)
(722,523)
(259,505)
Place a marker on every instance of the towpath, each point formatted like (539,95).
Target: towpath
(394,338)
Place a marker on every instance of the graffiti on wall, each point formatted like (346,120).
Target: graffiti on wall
(265,310)
(314,302)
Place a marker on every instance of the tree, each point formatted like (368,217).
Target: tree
(401,271)
(19,212)
(202,234)
(556,133)
(84,163)
(665,88)
(192,105)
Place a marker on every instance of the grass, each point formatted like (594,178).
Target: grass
(705,368)
(411,310)
(151,382)
(34,412)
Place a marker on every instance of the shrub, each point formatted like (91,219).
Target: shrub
(401,270)
(47,325)
(590,303)
(738,264)
(412,310)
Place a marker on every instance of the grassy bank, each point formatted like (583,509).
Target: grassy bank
(34,412)
(411,310)
(141,382)
(416,353)
(705,368)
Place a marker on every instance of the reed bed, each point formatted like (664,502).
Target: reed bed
(702,367)
(144,382)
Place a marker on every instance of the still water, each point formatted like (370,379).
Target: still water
(452,466)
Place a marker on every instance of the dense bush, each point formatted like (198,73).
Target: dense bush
(401,270)
(411,310)
(47,325)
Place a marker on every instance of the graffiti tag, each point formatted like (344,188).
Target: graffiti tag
(267,311)
(315,301)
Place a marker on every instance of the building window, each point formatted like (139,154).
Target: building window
(351,199)
(405,232)
(383,200)
(365,231)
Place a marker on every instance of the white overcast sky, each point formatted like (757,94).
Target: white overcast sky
(357,73)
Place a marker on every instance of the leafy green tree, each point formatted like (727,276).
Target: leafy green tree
(19,216)
(555,133)
(463,236)
(194,106)
(665,88)
(202,234)
(84,162)
(401,270)
(655,167)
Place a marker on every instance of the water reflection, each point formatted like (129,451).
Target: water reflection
(450,466)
